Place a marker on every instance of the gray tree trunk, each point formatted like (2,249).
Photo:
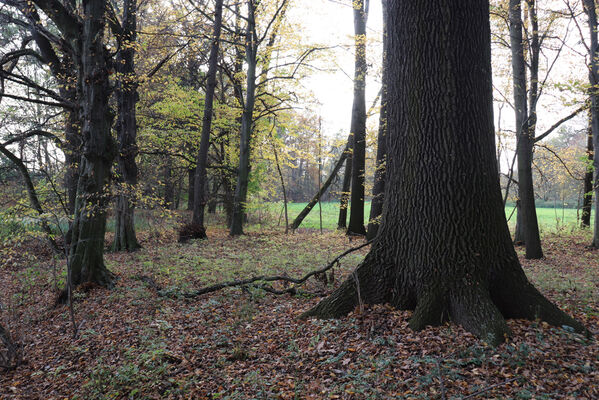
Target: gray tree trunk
(527,213)
(86,258)
(378,188)
(358,121)
(201,177)
(125,238)
(243,172)
(590,9)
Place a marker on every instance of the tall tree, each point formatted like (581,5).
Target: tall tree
(590,8)
(200,183)
(86,255)
(358,120)
(243,172)
(125,238)
(587,189)
(378,188)
(253,41)
(443,248)
(527,214)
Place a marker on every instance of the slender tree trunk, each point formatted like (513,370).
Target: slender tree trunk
(213,200)
(587,195)
(358,122)
(298,220)
(346,185)
(527,211)
(169,185)
(86,259)
(590,9)
(443,248)
(125,238)
(243,172)
(202,159)
(191,174)
(32,194)
(274,150)
(378,188)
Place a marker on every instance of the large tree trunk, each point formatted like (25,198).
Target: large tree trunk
(125,238)
(243,172)
(358,122)
(378,188)
(590,9)
(587,196)
(201,177)
(87,237)
(527,213)
(443,248)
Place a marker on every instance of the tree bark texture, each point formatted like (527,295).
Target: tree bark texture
(587,195)
(443,247)
(358,122)
(87,244)
(202,158)
(378,188)
(590,9)
(527,210)
(243,172)
(125,238)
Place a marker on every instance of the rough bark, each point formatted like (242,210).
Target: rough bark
(587,199)
(527,214)
(87,242)
(125,238)
(443,248)
(590,9)
(358,121)
(378,188)
(202,158)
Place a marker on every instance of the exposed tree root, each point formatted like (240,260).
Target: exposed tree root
(468,303)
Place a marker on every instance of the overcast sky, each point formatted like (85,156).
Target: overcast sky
(330,23)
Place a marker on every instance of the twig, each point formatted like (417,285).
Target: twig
(490,387)
(242,282)
(441,381)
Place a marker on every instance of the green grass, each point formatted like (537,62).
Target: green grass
(550,219)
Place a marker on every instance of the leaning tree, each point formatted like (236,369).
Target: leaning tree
(443,248)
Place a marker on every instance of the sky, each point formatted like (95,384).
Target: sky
(330,23)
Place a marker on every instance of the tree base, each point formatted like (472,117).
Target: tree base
(192,231)
(467,302)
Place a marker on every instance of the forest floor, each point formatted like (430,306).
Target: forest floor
(247,344)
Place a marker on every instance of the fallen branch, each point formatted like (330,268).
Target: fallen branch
(250,281)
